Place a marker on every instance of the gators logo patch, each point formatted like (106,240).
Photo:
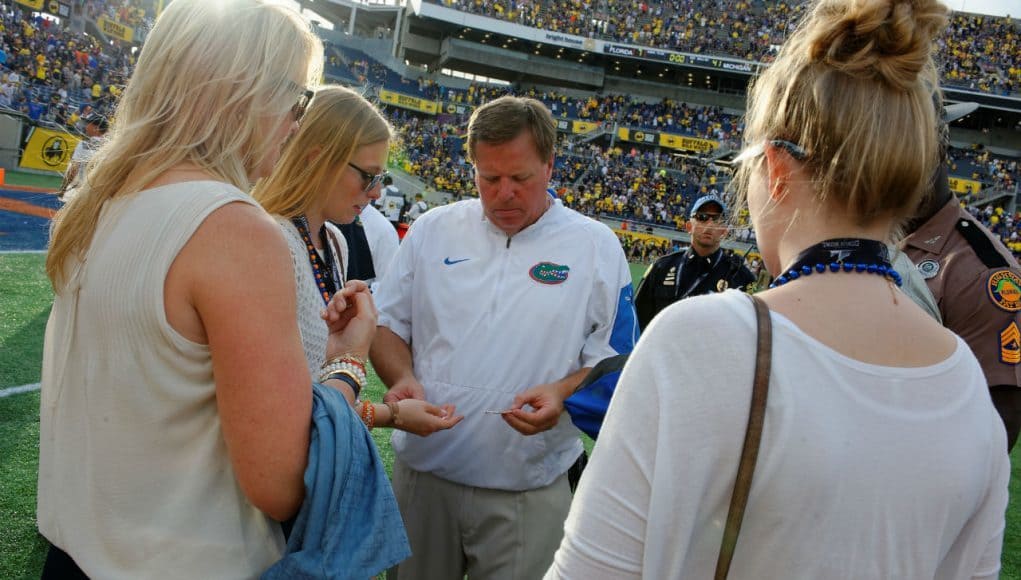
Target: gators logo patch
(549,273)
(1005,290)
(1010,344)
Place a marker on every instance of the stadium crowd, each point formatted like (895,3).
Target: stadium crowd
(666,115)
(630,183)
(980,165)
(134,13)
(977,52)
(1005,225)
(633,185)
(626,183)
(59,77)
(54,75)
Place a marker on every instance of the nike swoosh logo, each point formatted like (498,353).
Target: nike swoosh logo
(450,262)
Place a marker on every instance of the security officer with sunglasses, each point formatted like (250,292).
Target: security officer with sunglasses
(703,268)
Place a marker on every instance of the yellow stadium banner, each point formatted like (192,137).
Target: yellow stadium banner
(33,4)
(457,108)
(961,185)
(636,135)
(116,29)
(408,102)
(687,143)
(48,150)
(584,127)
(642,236)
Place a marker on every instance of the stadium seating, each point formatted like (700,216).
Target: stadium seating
(981,53)
(622,180)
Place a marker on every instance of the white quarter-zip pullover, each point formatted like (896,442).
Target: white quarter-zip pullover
(489,316)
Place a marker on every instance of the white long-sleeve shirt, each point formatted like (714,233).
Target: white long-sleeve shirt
(864,472)
(488,317)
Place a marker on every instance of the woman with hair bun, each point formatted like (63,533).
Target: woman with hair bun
(881,454)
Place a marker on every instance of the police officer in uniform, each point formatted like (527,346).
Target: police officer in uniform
(977,284)
(703,268)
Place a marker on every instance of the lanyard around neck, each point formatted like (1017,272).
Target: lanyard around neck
(327,277)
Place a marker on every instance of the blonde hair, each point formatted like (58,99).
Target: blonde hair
(210,76)
(337,123)
(503,119)
(855,86)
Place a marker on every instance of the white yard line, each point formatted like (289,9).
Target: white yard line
(18,390)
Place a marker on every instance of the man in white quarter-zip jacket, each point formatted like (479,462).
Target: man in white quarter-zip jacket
(499,305)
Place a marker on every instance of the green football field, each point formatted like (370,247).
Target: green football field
(25,299)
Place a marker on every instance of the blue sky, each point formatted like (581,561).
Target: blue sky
(995,7)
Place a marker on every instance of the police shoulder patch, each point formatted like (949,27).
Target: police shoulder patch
(549,273)
(1004,288)
(721,285)
(928,268)
(1010,344)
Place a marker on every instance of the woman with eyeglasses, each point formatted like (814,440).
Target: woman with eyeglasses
(176,399)
(332,168)
(881,455)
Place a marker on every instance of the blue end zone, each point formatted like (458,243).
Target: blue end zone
(47,200)
(20,232)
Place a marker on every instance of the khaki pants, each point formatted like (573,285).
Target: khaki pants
(487,534)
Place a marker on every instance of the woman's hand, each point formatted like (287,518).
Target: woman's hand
(424,418)
(351,318)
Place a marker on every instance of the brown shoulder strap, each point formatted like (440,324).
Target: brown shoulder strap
(752,437)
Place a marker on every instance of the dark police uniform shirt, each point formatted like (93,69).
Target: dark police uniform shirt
(685,274)
(977,284)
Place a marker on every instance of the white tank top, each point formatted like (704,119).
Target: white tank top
(134,476)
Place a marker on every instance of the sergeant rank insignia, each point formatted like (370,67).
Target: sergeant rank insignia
(1010,344)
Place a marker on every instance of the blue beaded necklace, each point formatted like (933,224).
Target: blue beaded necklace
(856,255)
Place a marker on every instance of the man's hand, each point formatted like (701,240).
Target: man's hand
(547,402)
(405,389)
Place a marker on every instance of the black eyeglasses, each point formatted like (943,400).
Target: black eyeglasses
(299,108)
(370,180)
(708,217)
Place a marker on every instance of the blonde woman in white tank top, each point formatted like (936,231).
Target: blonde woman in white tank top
(176,398)
(331,169)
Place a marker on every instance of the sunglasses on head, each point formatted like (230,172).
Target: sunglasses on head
(793,149)
(708,217)
(370,180)
(299,108)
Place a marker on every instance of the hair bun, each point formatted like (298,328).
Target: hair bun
(889,40)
